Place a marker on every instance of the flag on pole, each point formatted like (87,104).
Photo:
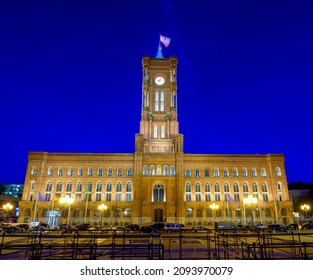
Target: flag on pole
(41,197)
(165,40)
(230,198)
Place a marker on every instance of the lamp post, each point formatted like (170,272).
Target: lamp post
(66,202)
(250,201)
(214,207)
(102,208)
(7,207)
(305,208)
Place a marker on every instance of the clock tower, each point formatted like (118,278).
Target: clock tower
(159,132)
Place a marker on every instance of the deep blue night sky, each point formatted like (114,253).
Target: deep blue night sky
(70,77)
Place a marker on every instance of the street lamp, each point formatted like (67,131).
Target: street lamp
(7,207)
(250,201)
(66,202)
(101,208)
(305,208)
(214,207)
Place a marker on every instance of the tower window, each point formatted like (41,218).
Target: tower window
(156,104)
(155,132)
(162,101)
(162,131)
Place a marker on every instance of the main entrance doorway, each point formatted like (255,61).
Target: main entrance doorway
(158,215)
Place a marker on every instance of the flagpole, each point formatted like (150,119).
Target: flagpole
(227,206)
(260,211)
(85,218)
(275,208)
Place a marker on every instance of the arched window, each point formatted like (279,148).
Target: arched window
(48,187)
(217,187)
(198,191)
(216,173)
(119,171)
(129,172)
(34,170)
(58,189)
(100,171)
(118,194)
(152,170)
(145,170)
(188,191)
(99,187)
(226,187)
(159,170)
(172,170)
(235,172)
(108,194)
(60,171)
(197,172)
(207,192)
(188,173)
(225,172)
(70,171)
(88,191)
(244,172)
(50,171)
(253,172)
(245,188)
(279,187)
(110,171)
(263,172)
(158,194)
(79,187)
(156,103)
(69,187)
(206,172)
(89,171)
(278,172)
(254,187)
(165,170)
(128,191)
(80,171)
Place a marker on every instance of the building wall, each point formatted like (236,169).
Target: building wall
(175,208)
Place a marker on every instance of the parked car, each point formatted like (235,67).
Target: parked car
(307,226)
(294,226)
(278,228)
(146,229)
(260,227)
(11,229)
(224,226)
(83,227)
(173,227)
(133,227)
(200,229)
(67,229)
(121,230)
(38,230)
(95,229)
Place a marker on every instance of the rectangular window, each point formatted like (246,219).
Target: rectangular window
(118,197)
(162,131)
(128,197)
(155,132)
(162,101)
(156,105)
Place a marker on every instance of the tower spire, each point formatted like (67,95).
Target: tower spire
(159,53)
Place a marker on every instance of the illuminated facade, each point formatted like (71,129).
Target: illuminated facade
(158,182)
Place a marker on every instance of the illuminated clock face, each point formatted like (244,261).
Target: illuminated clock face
(159,81)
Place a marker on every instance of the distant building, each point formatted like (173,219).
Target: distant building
(12,194)
(158,182)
